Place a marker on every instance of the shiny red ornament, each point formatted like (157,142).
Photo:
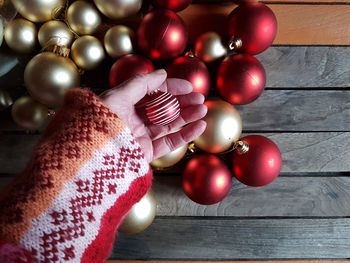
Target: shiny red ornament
(192,69)
(173,5)
(241,79)
(127,67)
(255,25)
(162,108)
(162,34)
(206,179)
(260,165)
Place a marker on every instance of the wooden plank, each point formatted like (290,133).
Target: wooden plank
(300,196)
(291,110)
(301,152)
(285,197)
(229,239)
(298,24)
(298,110)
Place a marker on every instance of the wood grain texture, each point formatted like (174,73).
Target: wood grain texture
(300,196)
(301,152)
(285,197)
(227,239)
(296,110)
(298,24)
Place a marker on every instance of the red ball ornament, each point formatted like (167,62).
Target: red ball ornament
(241,79)
(192,69)
(206,179)
(162,34)
(127,67)
(174,5)
(162,108)
(260,165)
(255,25)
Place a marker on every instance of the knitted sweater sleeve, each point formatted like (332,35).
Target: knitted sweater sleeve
(83,177)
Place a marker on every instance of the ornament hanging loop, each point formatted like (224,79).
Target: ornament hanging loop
(62,51)
(235,43)
(241,147)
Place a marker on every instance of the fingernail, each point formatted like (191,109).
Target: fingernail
(159,72)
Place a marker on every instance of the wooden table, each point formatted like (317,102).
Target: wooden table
(305,213)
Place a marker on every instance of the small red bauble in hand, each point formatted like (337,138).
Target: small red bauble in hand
(162,34)
(260,165)
(253,27)
(162,108)
(206,179)
(241,79)
(127,67)
(174,5)
(192,69)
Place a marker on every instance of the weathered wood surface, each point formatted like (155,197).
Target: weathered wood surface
(301,152)
(288,110)
(286,197)
(229,239)
(298,24)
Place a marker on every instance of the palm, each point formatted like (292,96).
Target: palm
(156,140)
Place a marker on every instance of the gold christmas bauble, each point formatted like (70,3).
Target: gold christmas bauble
(55,33)
(170,159)
(118,9)
(20,35)
(140,216)
(39,10)
(5,99)
(224,126)
(28,113)
(119,41)
(87,52)
(47,77)
(83,18)
(209,48)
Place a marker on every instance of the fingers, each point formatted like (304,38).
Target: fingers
(178,86)
(190,114)
(190,99)
(175,140)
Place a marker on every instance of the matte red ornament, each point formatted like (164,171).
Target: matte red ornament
(206,179)
(162,108)
(260,165)
(255,25)
(241,79)
(127,67)
(173,5)
(192,69)
(162,34)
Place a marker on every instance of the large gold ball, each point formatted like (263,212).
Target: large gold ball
(140,216)
(48,76)
(83,18)
(87,52)
(28,113)
(224,126)
(39,10)
(55,33)
(170,159)
(118,9)
(5,99)
(119,41)
(20,35)
(209,48)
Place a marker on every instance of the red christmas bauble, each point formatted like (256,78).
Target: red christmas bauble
(127,67)
(192,69)
(174,5)
(260,165)
(162,108)
(255,25)
(241,79)
(162,34)
(206,179)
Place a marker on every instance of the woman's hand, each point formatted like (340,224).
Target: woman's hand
(156,140)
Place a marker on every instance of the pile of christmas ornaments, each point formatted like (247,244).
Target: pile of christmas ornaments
(69,49)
